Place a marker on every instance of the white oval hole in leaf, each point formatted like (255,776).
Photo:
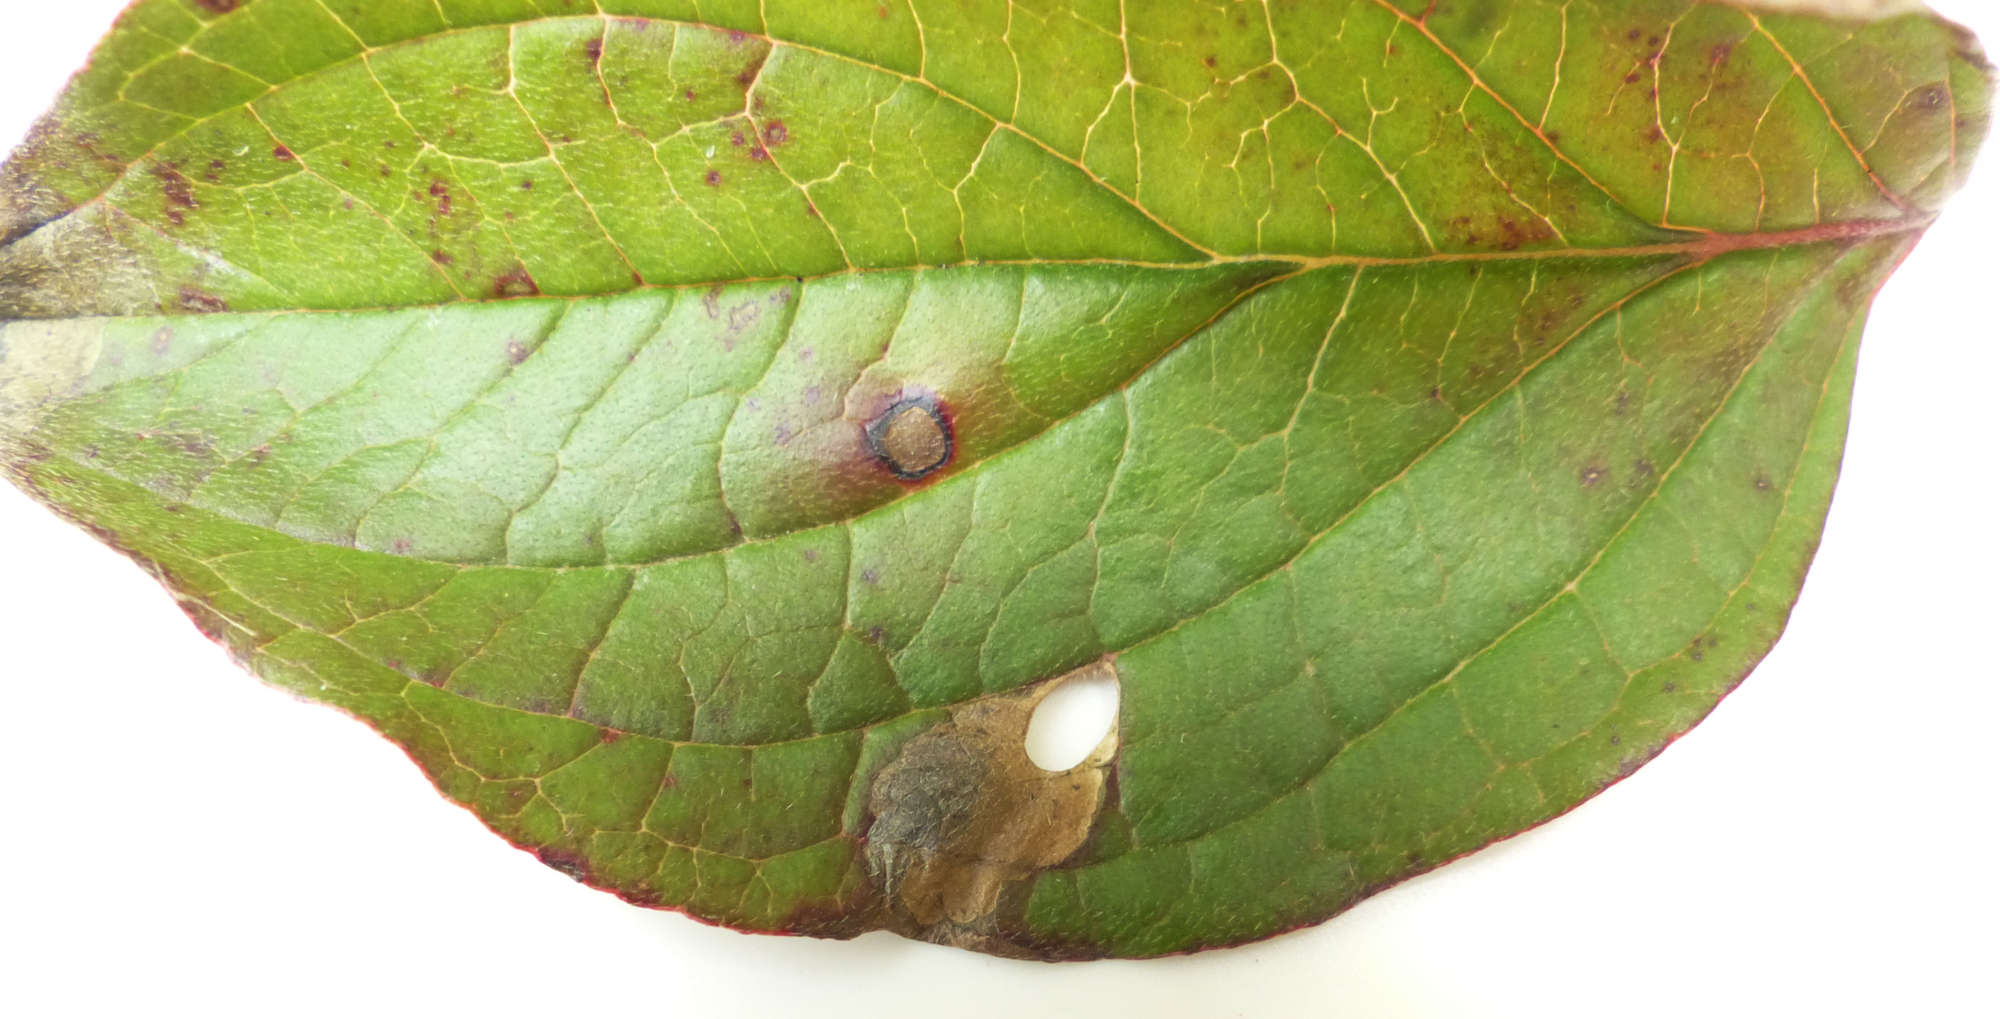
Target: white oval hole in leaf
(1073,719)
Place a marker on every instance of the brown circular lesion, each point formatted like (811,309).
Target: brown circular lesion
(912,438)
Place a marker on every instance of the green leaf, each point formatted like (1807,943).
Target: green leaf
(700,434)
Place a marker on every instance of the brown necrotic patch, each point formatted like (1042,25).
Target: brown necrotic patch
(962,814)
(912,438)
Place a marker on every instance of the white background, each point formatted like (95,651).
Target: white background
(174,836)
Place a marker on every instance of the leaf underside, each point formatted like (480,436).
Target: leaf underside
(1427,410)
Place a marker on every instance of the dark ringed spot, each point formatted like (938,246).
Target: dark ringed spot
(912,438)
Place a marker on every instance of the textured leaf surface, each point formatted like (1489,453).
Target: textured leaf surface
(1427,410)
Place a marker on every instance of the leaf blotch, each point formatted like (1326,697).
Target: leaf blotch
(963,812)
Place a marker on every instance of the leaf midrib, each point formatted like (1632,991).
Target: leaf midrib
(1698,248)
(1700,252)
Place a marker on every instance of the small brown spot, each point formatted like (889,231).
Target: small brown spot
(516,282)
(197,300)
(594,49)
(775,133)
(283,154)
(218,6)
(528,185)
(1762,482)
(194,444)
(1591,475)
(441,257)
(177,189)
(714,177)
(911,438)
(517,352)
(571,865)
